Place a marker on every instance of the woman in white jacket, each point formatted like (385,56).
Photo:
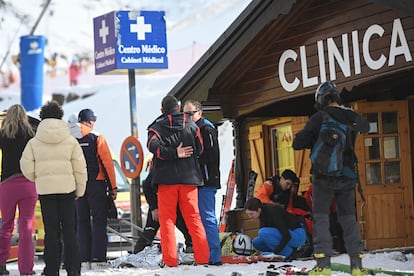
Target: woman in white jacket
(55,161)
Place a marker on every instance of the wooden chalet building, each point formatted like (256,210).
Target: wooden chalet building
(262,74)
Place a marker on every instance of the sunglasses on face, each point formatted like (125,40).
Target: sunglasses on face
(191,113)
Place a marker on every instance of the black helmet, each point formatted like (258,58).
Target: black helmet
(326,93)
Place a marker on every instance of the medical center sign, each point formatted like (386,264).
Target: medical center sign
(130,40)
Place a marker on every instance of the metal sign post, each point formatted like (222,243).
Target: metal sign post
(129,40)
(132,159)
(135,195)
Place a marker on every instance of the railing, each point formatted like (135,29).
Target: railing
(124,237)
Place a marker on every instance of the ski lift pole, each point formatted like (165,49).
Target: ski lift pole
(40,17)
(135,196)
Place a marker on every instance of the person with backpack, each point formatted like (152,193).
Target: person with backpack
(333,129)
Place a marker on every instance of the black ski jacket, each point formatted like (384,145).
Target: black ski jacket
(150,192)
(276,217)
(210,158)
(283,197)
(164,136)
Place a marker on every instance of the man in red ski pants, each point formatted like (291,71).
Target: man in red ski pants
(176,143)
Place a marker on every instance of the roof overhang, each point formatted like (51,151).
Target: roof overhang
(226,56)
(229,46)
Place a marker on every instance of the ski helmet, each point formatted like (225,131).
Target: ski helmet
(242,245)
(326,93)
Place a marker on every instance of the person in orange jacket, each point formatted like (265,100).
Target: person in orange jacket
(92,211)
(283,191)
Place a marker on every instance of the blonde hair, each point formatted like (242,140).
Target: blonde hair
(16,120)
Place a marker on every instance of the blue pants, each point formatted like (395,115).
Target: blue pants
(92,213)
(269,238)
(207,209)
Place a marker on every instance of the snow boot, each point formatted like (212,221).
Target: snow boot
(189,249)
(71,272)
(356,265)
(323,265)
(139,246)
(28,274)
(3,270)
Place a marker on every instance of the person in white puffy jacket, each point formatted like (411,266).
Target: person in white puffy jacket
(54,160)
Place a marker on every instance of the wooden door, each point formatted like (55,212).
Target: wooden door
(302,161)
(271,149)
(257,154)
(384,165)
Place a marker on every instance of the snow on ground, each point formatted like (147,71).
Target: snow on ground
(391,260)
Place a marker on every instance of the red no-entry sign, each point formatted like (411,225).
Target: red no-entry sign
(132,157)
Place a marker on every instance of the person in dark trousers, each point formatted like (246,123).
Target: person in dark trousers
(280,233)
(341,188)
(334,225)
(210,167)
(92,211)
(54,160)
(283,191)
(152,225)
(16,190)
(176,143)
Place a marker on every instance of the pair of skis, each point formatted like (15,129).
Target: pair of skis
(228,197)
(251,259)
(293,270)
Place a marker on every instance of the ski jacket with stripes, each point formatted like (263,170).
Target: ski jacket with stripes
(164,136)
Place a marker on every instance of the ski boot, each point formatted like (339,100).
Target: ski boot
(3,270)
(356,265)
(323,265)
